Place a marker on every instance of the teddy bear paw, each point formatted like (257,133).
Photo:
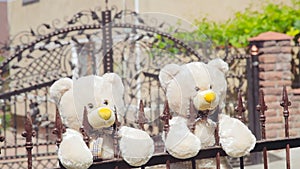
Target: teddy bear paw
(136,146)
(73,153)
(180,142)
(235,137)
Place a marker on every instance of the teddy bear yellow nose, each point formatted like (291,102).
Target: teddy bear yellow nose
(104,113)
(210,96)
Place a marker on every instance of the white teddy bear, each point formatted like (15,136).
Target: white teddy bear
(204,86)
(102,97)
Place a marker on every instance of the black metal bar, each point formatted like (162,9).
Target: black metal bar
(24,90)
(15,123)
(193,164)
(35,122)
(217,138)
(252,92)
(47,118)
(107,41)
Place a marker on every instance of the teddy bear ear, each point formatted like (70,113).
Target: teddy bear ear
(114,79)
(59,87)
(118,89)
(220,64)
(167,73)
(111,77)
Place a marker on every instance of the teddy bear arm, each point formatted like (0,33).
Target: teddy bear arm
(130,138)
(235,137)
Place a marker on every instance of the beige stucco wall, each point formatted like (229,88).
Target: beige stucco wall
(217,10)
(30,16)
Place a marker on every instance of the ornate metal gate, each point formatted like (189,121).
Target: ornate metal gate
(94,42)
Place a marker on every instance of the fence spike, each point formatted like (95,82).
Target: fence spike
(191,116)
(28,134)
(240,109)
(59,128)
(166,116)
(261,108)
(285,103)
(141,116)
(85,127)
(116,126)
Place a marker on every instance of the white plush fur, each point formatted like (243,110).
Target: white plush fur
(205,85)
(180,85)
(59,88)
(205,131)
(136,146)
(236,139)
(73,152)
(96,93)
(180,142)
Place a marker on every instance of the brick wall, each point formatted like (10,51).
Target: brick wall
(274,73)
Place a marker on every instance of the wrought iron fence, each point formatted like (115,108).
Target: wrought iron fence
(14,109)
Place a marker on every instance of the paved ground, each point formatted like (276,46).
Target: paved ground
(278,160)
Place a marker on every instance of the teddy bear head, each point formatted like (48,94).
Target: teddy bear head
(202,84)
(100,96)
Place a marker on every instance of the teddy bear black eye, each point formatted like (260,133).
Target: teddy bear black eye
(210,86)
(90,105)
(197,88)
(105,102)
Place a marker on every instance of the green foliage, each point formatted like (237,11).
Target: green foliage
(271,17)
(164,44)
(6,121)
(1,58)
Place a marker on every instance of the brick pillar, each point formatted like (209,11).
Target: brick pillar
(274,73)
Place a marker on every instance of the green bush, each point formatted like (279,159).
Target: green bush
(6,121)
(236,31)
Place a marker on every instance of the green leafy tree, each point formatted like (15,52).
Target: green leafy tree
(251,22)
